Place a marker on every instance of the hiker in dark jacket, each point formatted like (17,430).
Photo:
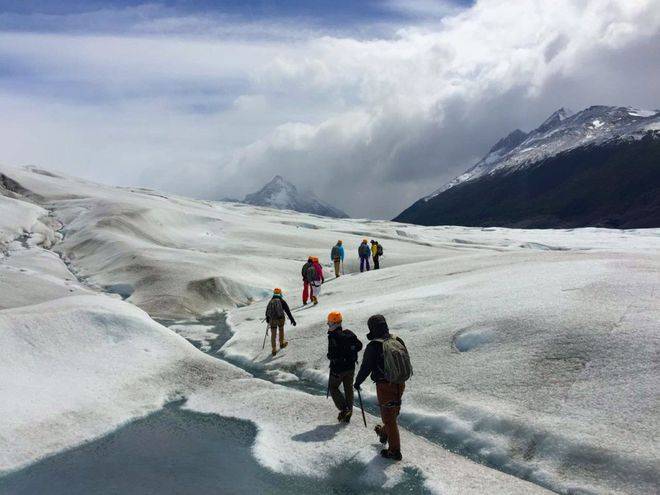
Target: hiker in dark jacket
(389,394)
(364,251)
(343,348)
(275,317)
(376,253)
(308,277)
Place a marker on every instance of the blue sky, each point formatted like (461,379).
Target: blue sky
(370,104)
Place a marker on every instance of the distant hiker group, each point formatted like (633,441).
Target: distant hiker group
(365,252)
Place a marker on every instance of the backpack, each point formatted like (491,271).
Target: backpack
(274,310)
(379,250)
(310,274)
(396,359)
(346,346)
(334,254)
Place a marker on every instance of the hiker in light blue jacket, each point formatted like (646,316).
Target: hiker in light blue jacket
(337,256)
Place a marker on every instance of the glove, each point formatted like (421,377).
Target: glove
(357,387)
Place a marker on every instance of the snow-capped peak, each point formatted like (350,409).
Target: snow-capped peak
(556,118)
(283,195)
(561,131)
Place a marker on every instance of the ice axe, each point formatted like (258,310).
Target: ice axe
(364,418)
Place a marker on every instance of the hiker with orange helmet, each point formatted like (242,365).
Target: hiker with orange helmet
(275,317)
(364,251)
(318,280)
(337,256)
(343,348)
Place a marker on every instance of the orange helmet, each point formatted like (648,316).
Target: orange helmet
(277,290)
(334,317)
(315,259)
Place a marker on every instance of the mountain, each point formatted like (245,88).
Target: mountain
(281,194)
(597,167)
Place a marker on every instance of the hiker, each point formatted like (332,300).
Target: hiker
(337,256)
(365,254)
(386,359)
(275,318)
(318,280)
(376,253)
(308,276)
(343,348)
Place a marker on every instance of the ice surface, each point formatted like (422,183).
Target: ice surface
(534,350)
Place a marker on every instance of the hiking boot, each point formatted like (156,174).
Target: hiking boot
(273,352)
(395,455)
(347,416)
(283,344)
(340,416)
(380,431)
(315,301)
(305,303)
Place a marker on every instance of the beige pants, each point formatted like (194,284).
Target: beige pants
(337,267)
(274,326)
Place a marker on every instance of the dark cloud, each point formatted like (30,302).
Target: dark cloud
(370,125)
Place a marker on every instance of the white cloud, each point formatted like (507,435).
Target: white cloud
(370,124)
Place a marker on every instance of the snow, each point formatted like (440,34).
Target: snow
(80,364)
(642,113)
(597,124)
(533,349)
(17,217)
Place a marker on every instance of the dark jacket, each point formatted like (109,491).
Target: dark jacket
(364,250)
(343,347)
(286,309)
(373,361)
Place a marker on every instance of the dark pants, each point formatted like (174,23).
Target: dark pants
(389,400)
(363,262)
(376,262)
(336,379)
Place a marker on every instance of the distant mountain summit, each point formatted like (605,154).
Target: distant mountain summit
(597,167)
(283,195)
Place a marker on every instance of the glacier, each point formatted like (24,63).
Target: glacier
(535,351)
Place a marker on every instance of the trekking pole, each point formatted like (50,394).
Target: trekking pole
(364,418)
(263,346)
(327,392)
(342,267)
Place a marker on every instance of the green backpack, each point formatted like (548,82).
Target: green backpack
(398,368)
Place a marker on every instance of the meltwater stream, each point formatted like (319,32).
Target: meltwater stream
(178,451)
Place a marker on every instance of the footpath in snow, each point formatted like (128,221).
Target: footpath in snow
(533,350)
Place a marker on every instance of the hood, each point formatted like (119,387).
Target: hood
(378,328)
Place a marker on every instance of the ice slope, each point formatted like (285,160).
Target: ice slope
(174,256)
(536,356)
(77,365)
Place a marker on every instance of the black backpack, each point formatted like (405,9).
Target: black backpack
(274,310)
(379,250)
(347,349)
